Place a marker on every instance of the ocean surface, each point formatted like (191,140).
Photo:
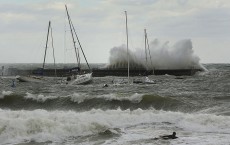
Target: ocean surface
(196,107)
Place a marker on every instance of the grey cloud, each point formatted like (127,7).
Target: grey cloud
(206,23)
(131,2)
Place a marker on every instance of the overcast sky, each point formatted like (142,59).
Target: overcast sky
(100,25)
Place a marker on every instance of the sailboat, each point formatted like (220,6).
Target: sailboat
(124,81)
(146,79)
(39,79)
(78,77)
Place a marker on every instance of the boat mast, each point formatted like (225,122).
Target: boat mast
(127,42)
(46,46)
(147,42)
(74,42)
(146,48)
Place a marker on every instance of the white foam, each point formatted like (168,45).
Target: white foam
(206,123)
(81,97)
(41,125)
(133,98)
(5,93)
(39,97)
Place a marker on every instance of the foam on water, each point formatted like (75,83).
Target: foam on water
(39,97)
(57,126)
(5,93)
(80,97)
(196,107)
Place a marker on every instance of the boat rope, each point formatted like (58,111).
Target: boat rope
(55,70)
(46,46)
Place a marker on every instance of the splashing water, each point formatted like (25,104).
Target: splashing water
(163,56)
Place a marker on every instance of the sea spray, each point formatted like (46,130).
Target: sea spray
(163,56)
(118,57)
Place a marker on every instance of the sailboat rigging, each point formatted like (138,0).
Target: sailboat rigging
(40,78)
(123,81)
(147,46)
(145,80)
(79,78)
(127,41)
(55,68)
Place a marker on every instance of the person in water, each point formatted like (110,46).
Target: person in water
(13,84)
(68,78)
(173,136)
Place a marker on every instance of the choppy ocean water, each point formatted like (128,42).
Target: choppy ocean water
(196,107)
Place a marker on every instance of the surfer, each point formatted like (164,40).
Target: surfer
(173,136)
(165,137)
(105,85)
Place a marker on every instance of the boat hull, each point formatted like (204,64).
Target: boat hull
(145,80)
(81,79)
(29,79)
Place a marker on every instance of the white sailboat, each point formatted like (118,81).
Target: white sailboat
(79,78)
(39,79)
